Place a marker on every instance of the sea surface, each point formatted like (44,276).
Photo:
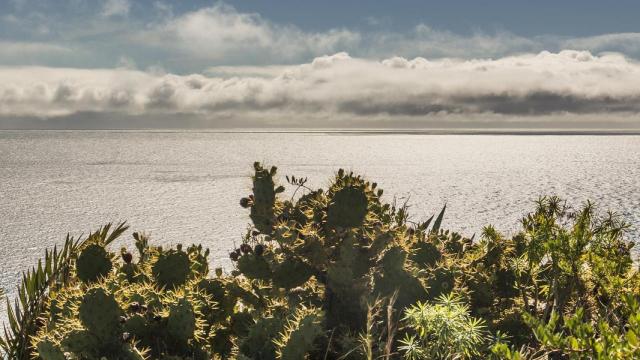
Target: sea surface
(184,187)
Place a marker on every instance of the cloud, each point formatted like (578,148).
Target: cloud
(102,32)
(220,33)
(627,43)
(116,8)
(340,90)
(30,52)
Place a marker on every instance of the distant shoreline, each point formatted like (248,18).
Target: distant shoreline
(522,132)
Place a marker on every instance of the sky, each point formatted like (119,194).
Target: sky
(330,64)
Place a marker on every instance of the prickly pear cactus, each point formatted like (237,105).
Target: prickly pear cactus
(47,350)
(263,204)
(93,263)
(81,342)
(181,323)
(292,272)
(100,314)
(347,208)
(171,269)
(254,266)
(395,278)
(425,254)
(297,340)
(259,342)
(441,281)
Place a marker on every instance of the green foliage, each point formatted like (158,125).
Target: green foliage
(51,274)
(338,273)
(100,314)
(444,330)
(298,337)
(93,263)
(347,208)
(181,322)
(171,269)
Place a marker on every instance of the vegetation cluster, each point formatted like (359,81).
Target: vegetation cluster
(338,273)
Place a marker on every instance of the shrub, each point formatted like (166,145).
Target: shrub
(444,330)
(327,274)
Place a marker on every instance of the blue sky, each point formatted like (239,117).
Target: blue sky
(105,33)
(339,63)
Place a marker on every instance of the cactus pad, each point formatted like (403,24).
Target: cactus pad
(291,273)
(49,351)
(425,254)
(264,199)
(181,323)
(171,269)
(440,282)
(100,314)
(93,263)
(254,267)
(347,208)
(300,334)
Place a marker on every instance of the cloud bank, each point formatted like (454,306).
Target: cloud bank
(569,88)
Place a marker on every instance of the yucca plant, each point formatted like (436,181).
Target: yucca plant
(52,273)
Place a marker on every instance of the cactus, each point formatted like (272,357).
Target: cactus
(81,342)
(181,323)
(441,281)
(347,208)
(241,323)
(292,272)
(49,351)
(394,277)
(130,271)
(480,288)
(172,269)
(100,314)
(425,254)
(138,326)
(93,263)
(297,340)
(254,266)
(259,343)
(221,343)
(263,212)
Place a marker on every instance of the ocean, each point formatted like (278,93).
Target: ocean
(184,187)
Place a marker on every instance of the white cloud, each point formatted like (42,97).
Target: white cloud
(101,32)
(116,8)
(628,43)
(220,33)
(31,52)
(551,86)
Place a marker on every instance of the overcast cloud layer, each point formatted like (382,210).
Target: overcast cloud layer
(340,90)
(215,66)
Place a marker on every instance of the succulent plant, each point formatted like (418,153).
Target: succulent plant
(181,322)
(263,212)
(171,269)
(347,208)
(394,278)
(291,272)
(93,263)
(100,314)
(425,254)
(254,266)
(47,350)
(259,342)
(440,282)
(297,340)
